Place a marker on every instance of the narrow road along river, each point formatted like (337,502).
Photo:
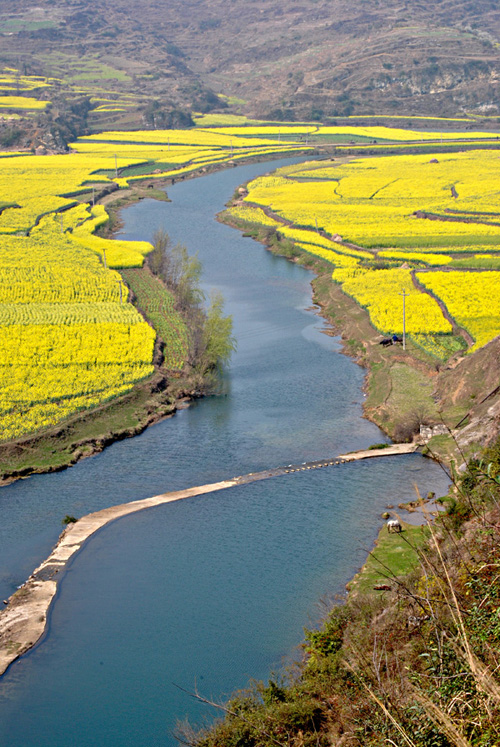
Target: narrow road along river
(214,590)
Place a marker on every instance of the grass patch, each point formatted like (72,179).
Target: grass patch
(394,555)
(441,347)
(411,389)
(158,305)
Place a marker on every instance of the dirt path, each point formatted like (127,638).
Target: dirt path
(24,619)
(458,331)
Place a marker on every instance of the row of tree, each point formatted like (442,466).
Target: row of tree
(210,331)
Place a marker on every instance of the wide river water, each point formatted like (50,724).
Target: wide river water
(211,591)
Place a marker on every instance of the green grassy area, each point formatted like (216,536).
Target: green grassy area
(158,306)
(76,69)
(441,347)
(394,555)
(13,25)
(410,389)
(478,263)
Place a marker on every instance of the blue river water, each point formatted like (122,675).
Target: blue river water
(211,591)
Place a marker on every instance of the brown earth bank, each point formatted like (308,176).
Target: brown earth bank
(89,432)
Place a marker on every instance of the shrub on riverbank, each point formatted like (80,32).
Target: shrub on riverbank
(415,664)
(209,332)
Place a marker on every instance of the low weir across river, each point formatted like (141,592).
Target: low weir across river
(23,621)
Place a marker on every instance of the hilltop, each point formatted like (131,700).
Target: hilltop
(309,59)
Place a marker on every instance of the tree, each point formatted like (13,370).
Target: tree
(179,271)
(215,341)
(211,340)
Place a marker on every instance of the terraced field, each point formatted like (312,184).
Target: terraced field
(428,225)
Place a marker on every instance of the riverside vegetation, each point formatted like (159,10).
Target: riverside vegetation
(423,225)
(414,663)
(56,211)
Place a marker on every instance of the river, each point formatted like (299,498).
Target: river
(214,590)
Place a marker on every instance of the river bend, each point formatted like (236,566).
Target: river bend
(214,590)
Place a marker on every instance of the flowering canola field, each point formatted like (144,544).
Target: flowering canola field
(472,298)
(378,220)
(67,342)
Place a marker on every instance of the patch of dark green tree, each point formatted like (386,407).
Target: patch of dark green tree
(210,331)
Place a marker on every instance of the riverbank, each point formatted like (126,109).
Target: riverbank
(87,433)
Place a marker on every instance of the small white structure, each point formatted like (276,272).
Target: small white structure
(428,431)
(393,525)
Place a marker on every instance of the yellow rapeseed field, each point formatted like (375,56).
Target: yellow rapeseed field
(21,102)
(379,292)
(372,202)
(66,340)
(252,215)
(472,298)
(410,209)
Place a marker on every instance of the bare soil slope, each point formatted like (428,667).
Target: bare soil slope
(472,389)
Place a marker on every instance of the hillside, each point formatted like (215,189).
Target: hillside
(473,385)
(311,58)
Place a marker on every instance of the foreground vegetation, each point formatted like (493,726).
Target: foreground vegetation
(414,664)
